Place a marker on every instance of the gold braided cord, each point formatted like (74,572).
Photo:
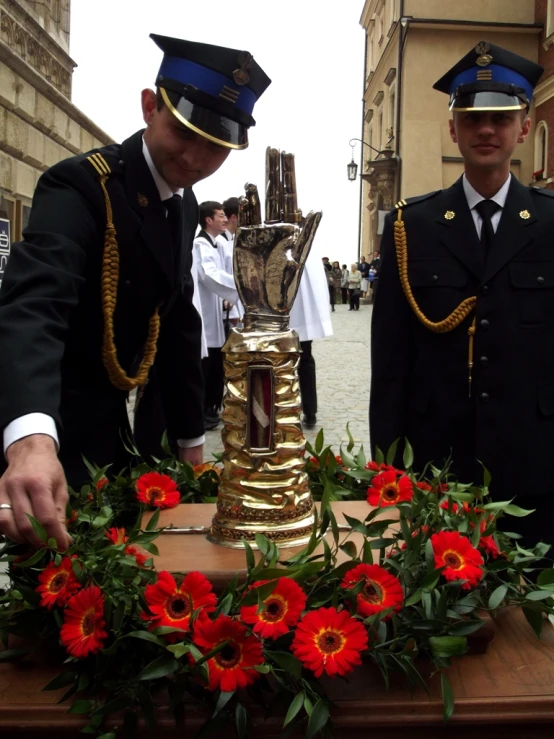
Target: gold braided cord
(110,279)
(449,323)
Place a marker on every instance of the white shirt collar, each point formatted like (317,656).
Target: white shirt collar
(163,188)
(473,197)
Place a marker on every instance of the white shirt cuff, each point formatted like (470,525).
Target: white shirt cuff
(188,443)
(31,423)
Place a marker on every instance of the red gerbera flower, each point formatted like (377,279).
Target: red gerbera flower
(449,506)
(57,584)
(282,609)
(387,490)
(173,605)
(381,467)
(488,544)
(102,482)
(339,461)
(461,561)
(232,667)
(157,490)
(329,641)
(117,536)
(72,518)
(381,589)
(83,631)
(422,485)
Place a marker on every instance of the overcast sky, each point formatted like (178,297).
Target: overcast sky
(313,53)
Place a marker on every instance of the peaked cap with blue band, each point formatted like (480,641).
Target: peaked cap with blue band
(210,89)
(490,78)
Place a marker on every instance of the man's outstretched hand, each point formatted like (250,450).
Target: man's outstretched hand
(34,484)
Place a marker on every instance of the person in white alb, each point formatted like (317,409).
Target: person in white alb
(310,317)
(215,285)
(232,315)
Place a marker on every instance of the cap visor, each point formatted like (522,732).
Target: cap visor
(205,122)
(487,101)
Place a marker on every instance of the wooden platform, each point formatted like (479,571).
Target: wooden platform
(507,693)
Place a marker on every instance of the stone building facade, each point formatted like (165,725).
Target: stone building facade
(39,125)
(410,44)
(543,163)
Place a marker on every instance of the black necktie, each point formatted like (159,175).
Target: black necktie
(486,209)
(174,206)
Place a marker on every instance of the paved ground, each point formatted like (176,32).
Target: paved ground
(342,365)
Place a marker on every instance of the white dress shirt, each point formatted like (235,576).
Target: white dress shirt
(474,198)
(40,423)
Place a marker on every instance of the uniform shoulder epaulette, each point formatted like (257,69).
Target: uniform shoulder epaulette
(543,191)
(401,204)
(101,163)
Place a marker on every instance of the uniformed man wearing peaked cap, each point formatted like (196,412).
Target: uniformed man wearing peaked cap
(97,298)
(463,324)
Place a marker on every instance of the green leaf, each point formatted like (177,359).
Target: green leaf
(222,701)
(319,439)
(447,646)
(250,559)
(350,439)
(38,528)
(546,577)
(414,598)
(367,554)
(497,596)
(12,654)
(318,719)
(391,454)
(178,650)
(160,667)
(535,619)
(33,559)
(408,456)
(109,735)
(287,662)
(225,606)
(295,706)
(60,681)
(153,522)
(241,719)
(535,595)
(356,525)
(447,697)
(262,543)
(350,549)
(429,555)
(514,510)
(81,706)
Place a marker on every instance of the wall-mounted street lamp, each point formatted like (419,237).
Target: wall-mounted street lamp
(352,167)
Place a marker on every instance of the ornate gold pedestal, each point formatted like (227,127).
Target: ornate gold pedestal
(264,489)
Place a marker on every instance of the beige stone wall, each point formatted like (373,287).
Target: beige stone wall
(492,11)
(424,137)
(35,133)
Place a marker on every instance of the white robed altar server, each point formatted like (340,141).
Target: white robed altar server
(310,317)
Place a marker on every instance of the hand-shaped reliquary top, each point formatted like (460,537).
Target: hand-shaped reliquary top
(269,259)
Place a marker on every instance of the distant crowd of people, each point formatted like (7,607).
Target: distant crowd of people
(349,285)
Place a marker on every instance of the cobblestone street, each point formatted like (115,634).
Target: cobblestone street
(342,366)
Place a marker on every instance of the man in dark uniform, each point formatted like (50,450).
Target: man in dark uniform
(463,324)
(97,298)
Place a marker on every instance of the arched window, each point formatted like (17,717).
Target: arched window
(541,151)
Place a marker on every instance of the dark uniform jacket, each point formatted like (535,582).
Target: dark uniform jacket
(51,322)
(419,386)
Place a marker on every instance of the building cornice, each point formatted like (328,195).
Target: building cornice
(544,91)
(446,24)
(36,80)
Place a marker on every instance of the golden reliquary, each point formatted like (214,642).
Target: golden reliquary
(264,488)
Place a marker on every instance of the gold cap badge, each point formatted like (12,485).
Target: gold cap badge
(241,75)
(484,58)
(524,214)
(142,200)
(449,215)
